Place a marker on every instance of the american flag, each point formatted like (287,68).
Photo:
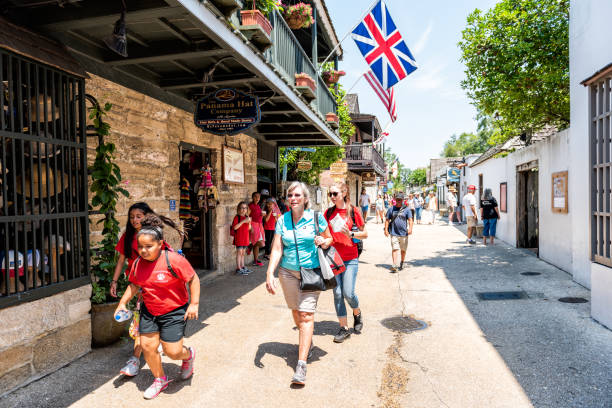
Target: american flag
(382,46)
(387,96)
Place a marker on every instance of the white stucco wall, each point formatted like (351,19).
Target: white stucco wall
(590,33)
(555,244)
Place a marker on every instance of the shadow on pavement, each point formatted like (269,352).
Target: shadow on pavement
(556,351)
(102,365)
(286,351)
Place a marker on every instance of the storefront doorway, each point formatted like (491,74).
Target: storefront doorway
(197,203)
(527,234)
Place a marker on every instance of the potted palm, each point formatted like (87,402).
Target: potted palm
(299,16)
(105,189)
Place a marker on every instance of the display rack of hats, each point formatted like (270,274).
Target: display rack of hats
(34,180)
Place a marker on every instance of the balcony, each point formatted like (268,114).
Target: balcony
(289,58)
(362,158)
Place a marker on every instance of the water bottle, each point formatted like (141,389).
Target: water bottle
(180,252)
(123,315)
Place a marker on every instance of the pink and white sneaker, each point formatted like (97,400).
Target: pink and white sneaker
(159,384)
(187,366)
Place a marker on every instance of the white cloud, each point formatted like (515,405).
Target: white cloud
(422,41)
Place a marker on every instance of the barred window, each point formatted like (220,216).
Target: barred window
(44,231)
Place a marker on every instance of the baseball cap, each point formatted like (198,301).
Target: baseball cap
(399,196)
(471,187)
(265,192)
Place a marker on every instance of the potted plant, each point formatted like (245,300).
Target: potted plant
(331,117)
(105,189)
(306,85)
(256,16)
(332,76)
(299,16)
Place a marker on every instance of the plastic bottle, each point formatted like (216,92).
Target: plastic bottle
(123,315)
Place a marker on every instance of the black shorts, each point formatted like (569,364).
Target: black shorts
(170,326)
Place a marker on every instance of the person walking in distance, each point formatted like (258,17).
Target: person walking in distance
(468,203)
(380,209)
(341,217)
(294,246)
(451,200)
(364,202)
(241,228)
(418,207)
(257,230)
(398,225)
(432,207)
(489,213)
(163,277)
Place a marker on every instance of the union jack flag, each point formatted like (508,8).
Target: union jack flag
(382,46)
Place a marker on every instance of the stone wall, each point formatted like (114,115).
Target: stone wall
(41,336)
(147,134)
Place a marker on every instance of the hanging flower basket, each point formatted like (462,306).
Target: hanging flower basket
(299,16)
(331,117)
(332,77)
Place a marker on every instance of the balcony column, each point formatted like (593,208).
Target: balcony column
(315,51)
(335,69)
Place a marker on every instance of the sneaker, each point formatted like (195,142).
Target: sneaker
(357,323)
(401,266)
(471,241)
(247,270)
(257,263)
(342,335)
(240,272)
(394,268)
(132,367)
(299,377)
(159,384)
(187,366)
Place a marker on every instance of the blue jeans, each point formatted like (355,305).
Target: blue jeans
(346,288)
(489,227)
(418,213)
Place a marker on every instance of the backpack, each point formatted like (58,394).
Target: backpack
(170,269)
(354,228)
(232,230)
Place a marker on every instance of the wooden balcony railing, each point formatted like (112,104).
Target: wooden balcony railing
(289,58)
(364,157)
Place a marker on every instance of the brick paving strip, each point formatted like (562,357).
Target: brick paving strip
(473,353)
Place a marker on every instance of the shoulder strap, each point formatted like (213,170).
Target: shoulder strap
(133,267)
(329,212)
(352,210)
(170,269)
(396,215)
(316,222)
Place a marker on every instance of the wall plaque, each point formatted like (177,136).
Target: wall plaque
(226,112)
(559,192)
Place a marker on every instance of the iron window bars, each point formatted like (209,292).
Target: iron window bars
(44,231)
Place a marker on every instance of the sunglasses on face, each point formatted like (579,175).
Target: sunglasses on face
(296,195)
(333,194)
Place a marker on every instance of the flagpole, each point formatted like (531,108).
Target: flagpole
(352,86)
(347,34)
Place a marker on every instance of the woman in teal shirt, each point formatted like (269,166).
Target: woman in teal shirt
(300,220)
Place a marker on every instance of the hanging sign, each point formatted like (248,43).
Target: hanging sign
(338,168)
(226,112)
(304,165)
(172,205)
(390,185)
(368,177)
(453,175)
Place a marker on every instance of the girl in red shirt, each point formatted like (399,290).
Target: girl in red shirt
(241,225)
(340,218)
(269,224)
(128,250)
(163,277)
(257,230)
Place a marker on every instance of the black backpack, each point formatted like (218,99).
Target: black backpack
(354,228)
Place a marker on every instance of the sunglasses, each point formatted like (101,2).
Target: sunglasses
(294,195)
(333,194)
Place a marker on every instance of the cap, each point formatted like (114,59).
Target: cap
(471,187)
(265,192)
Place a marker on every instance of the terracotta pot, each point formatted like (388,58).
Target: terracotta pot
(256,17)
(104,329)
(331,117)
(309,82)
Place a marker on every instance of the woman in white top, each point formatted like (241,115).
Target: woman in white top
(380,209)
(432,207)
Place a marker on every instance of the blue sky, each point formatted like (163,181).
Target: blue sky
(430,102)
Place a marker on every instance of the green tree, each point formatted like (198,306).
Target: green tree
(323,156)
(418,177)
(516,59)
(465,143)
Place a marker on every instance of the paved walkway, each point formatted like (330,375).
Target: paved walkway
(517,353)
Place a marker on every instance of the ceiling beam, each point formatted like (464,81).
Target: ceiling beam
(290,143)
(287,135)
(167,57)
(284,123)
(174,30)
(172,85)
(282,111)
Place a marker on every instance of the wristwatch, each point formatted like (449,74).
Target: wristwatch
(352,235)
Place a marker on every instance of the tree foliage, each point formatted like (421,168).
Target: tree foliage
(323,156)
(516,59)
(418,177)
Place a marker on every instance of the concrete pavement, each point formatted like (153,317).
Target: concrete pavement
(515,353)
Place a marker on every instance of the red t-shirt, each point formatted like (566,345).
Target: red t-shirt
(270,225)
(255,213)
(120,248)
(343,244)
(241,235)
(161,291)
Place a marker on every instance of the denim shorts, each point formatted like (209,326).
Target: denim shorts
(489,227)
(241,247)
